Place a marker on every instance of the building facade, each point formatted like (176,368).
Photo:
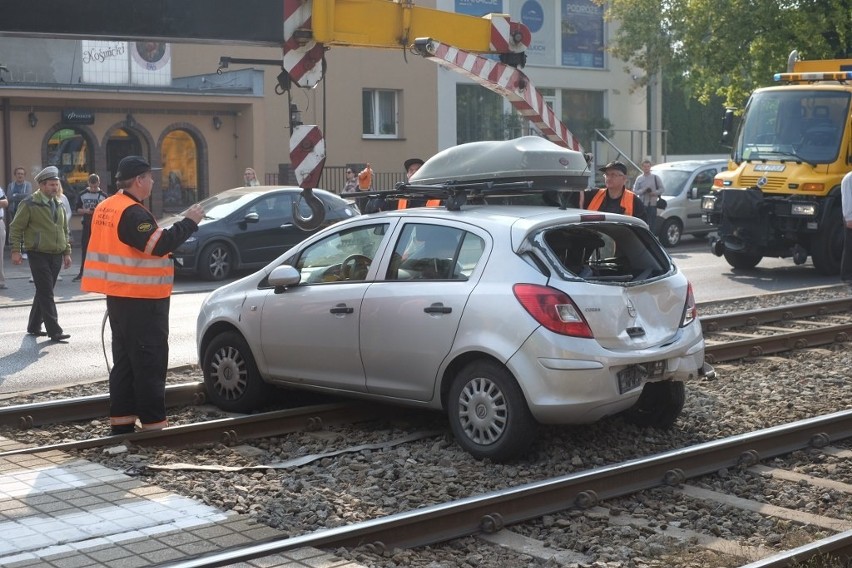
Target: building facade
(83,105)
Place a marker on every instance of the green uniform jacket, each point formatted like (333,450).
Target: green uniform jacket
(34,226)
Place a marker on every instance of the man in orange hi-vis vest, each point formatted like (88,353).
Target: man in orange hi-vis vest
(128,260)
(411,166)
(615,197)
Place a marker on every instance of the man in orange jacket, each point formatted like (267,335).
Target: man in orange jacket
(615,197)
(128,260)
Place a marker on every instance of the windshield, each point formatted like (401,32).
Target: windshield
(673,180)
(223,204)
(802,125)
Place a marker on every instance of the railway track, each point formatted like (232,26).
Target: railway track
(589,490)
(678,473)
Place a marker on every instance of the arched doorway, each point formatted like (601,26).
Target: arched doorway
(71,151)
(121,143)
(179,155)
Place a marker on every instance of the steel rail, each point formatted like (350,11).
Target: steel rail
(838,545)
(776,343)
(230,431)
(492,511)
(779,313)
(88,407)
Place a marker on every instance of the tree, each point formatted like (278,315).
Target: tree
(727,48)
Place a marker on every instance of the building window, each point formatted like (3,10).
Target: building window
(583,112)
(379,109)
(69,150)
(179,180)
(481,115)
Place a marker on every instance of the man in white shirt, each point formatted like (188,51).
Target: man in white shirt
(846,203)
(649,187)
(4,204)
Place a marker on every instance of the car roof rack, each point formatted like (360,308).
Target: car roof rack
(454,194)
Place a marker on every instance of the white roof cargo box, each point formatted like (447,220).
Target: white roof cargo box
(529,158)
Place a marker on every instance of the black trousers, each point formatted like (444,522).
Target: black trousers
(140,351)
(84,244)
(846,259)
(45,269)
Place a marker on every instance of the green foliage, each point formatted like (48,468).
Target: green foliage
(727,48)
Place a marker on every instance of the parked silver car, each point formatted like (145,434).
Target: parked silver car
(685,184)
(502,316)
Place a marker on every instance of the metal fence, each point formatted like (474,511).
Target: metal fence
(334,178)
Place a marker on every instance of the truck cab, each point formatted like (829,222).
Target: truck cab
(780,196)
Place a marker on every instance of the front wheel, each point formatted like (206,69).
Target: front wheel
(671,232)
(216,261)
(742,260)
(488,413)
(231,377)
(659,405)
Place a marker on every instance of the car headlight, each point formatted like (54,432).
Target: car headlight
(188,245)
(708,203)
(803,209)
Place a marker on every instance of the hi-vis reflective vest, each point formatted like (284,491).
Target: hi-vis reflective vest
(116,269)
(598,199)
(403,203)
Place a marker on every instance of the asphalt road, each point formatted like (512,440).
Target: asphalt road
(29,363)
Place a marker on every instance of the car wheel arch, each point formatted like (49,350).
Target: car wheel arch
(459,363)
(220,327)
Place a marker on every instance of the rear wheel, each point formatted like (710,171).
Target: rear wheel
(216,261)
(827,246)
(671,232)
(742,260)
(230,374)
(659,405)
(488,412)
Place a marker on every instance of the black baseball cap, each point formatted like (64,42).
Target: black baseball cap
(131,166)
(411,161)
(615,165)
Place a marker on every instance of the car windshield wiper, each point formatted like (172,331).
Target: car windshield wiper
(793,155)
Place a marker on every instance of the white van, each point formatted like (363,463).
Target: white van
(685,184)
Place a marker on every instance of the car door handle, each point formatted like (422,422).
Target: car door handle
(286,226)
(438,309)
(342,309)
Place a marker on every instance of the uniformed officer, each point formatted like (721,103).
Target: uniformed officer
(128,260)
(41,228)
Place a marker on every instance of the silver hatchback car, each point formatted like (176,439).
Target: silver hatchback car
(502,316)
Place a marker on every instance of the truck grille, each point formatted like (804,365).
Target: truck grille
(772,184)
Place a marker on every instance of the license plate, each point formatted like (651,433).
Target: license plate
(633,376)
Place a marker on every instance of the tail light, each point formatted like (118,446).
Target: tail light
(690,310)
(553,309)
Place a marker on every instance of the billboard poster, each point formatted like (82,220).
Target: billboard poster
(479,7)
(538,16)
(104,62)
(582,34)
(151,63)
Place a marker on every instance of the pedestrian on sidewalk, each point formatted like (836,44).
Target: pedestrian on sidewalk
(128,260)
(85,206)
(4,206)
(40,224)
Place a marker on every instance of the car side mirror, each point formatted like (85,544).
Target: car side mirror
(252,217)
(283,276)
(693,193)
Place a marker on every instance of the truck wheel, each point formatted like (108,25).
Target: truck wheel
(742,260)
(231,378)
(827,246)
(659,405)
(671,232)
(488,412)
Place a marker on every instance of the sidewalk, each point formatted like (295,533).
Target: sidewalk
(20,290)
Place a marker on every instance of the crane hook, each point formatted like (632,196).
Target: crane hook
(317,216)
